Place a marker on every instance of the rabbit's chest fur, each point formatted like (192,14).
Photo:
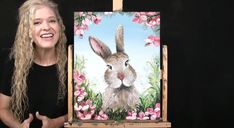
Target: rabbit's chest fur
(124,97)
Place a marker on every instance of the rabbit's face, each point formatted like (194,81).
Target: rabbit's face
(119,72)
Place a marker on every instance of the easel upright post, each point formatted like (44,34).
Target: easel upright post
(70,83)
(117,5)
(164,83)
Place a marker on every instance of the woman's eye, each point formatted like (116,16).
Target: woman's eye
(109,66)
(53,21)
(36,23)
(126,63)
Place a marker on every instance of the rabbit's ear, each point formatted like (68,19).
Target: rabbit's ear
(99,47)
(119,38)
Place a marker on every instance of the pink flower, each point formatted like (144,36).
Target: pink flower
(152,41)
(149,111)
(92,107)
(86,22)
(81,14)
(157,105)
(77,107)
(143,17)
(79,29)
(151,19)
(152,23)
(158,20)
(80,93)
(131,116)
(84,110)
(151,13)
(153,117)
(84,116)
(141,116)
(83,106)
(157,110)
(101,116)
(97,19)
(137,20)
(79,78)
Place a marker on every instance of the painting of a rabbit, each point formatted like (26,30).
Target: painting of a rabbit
(117,65)
(120,75)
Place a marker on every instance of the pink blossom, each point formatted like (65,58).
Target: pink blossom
(157,105)
(153,117)
(143,17)
(101,116)
(157,109)
(151,13)
(149,111)
(80,93)
(151,19)
(131,116)
(137,20)
(86,22)
(79,29)
(152,41)
(141,116)
(156,112)
(79,114)
(158,20)
(77,107)
(81,14)
(83,20)
(84,116)
(92,107)
(79,78)
(84,106)
(140,17)
(80,98)
(97,19)
(84,110)
(151,23)
(90,102)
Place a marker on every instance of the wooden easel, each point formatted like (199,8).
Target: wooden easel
(117,6)
(125,124)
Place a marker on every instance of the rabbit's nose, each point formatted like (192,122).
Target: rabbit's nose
(121,75)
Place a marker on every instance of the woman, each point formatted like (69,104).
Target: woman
(33,92)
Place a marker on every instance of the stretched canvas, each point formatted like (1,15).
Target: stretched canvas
(116,67)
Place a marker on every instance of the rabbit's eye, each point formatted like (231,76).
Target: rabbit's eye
(126,63)
(109,66)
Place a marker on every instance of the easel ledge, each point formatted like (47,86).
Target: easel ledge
(121,125)
(124,124)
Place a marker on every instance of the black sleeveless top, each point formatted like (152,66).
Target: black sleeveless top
(42,91)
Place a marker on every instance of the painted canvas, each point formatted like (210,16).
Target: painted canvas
(117,66)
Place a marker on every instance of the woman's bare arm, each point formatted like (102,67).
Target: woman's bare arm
(6,115)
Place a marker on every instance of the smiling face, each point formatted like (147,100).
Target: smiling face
(45,29)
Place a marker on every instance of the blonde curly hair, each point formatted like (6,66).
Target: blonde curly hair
(23,55)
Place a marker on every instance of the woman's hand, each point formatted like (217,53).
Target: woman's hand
(47,122)
(27,122)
